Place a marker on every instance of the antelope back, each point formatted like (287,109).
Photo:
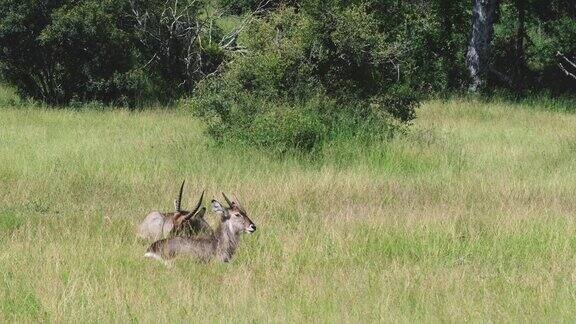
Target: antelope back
(158,225)
(155,226)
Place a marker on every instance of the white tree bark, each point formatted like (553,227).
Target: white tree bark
(565,64)
(478,55)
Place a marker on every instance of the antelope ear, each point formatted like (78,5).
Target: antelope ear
(219,210)
(217,207)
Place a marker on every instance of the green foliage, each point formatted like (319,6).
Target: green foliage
(8,97)
(174,40)
(356,53)
(436,35)
(307,74)
(66,51)
(525,50)
(59,51)
(238,7)
(10,221)
(19,302)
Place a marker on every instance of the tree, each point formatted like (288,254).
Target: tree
(58,52)
(25,62)
(169,35)
(477,58)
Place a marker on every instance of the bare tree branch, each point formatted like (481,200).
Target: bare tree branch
(571,64)
(173,31)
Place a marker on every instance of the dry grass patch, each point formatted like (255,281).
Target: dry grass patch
(470,217)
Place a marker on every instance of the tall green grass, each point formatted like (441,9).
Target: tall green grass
(468,217)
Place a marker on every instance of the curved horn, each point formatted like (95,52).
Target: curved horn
(198,204)
(240,206)
(228,200)
(199,214)
(178,200)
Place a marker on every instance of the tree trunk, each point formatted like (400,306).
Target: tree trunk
(478,55)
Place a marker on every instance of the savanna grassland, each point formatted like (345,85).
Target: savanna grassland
(469,216)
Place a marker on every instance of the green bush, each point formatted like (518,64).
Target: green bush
(177,43)
(62,51)
(307,79)
(58,51)
(238,7)
(549,27)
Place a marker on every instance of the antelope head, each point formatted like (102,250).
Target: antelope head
(234,216)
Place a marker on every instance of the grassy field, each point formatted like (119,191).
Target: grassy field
(469,217)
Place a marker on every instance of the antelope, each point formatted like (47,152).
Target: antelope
(159,225)
(221,245)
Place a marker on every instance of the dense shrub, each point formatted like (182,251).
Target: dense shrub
(306,75)
(174,39)
(527,37)
(438,33)
(58,51)
(239,7)
(113,51)
(358,54)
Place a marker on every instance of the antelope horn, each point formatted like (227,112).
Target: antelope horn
(228,200)
(200,214)
(198,204)
(178,200)
(240,206)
